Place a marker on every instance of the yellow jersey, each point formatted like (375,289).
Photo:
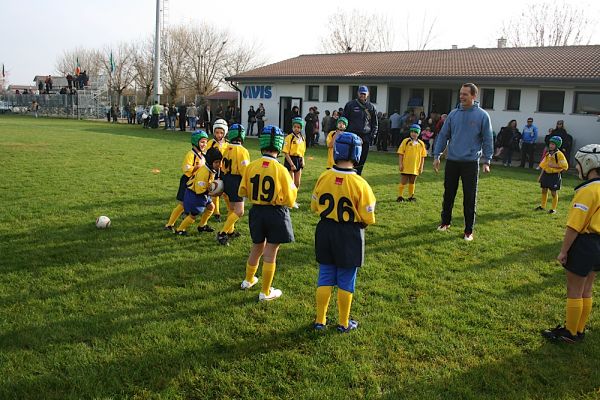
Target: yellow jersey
(193,158)
(200,181)
(267,182)
(554,163)
(235,159)
(294,145)
(329,141)
(412,152)
(221,146)
(343,196)
(584,214)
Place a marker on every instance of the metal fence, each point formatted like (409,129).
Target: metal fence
(83,104)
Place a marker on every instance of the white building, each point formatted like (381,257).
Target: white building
(546,83)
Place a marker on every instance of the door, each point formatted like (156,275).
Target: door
(440,101)
(285,111)
(394,100)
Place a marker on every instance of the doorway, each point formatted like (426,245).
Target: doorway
(285,111)
(394,100)
(440,101)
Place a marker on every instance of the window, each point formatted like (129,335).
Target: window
(415,97)
(487,98)
(587,103)
(551,101)
(312,93)
(513,99)
(372,93)
(332,93)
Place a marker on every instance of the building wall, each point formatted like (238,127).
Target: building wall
(585,129)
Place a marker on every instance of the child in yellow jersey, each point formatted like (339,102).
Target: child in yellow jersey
(346,204)
(294,148)
(342,123)
(553,163)
(220,129)
(193,160)
(411,158)
(235,160)
(269,187)
(196,200)
(580,251)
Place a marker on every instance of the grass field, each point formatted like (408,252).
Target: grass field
(135,312)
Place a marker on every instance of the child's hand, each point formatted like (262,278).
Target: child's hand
(562,258)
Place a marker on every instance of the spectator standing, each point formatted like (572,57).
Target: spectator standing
(467,133)
(251,120)
(326,126)
(69,81)
(395,125)
(208,118)
(384,133)
(192,116)
(567,140)
(529,137)
(309,128)
(508,140)
(260,118)
(362,120)
(182,113)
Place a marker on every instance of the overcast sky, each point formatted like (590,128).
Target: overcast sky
(34,33)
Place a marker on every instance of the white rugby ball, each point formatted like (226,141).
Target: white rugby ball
(216,187)
(102,222)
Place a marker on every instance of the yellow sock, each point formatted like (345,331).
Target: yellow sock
(177,211)
(205,217)
(544,199)
(344,303)
(215,201)
(574,311)
(268,272)
(585,313)
(186,223)
(251,272)
(400,189)
(554,201)
(323,296)
(230,223)
(411,189)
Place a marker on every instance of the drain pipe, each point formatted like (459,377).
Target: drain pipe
(237,89)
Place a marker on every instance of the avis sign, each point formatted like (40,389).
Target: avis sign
(257,92)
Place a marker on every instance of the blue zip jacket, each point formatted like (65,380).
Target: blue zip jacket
(468,134)
(530,134)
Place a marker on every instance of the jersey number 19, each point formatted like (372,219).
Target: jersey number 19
(267,188)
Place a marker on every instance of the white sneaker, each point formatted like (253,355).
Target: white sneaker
(443,227)
(273,294)
(296,205)
(468,237)
(247,285)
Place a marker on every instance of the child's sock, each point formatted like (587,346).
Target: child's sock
(344,303)
(268,272)
(400,189)
(177,211)
(323,296)
(251,272)
(544,199)
(230,223)
(215,201)
(585,313)
(411,189)
(574,311)
(205,217)
(186,223)
(554,200)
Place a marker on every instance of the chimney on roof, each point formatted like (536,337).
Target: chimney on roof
(454,47)
(501,43)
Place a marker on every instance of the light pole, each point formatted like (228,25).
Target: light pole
(157,89)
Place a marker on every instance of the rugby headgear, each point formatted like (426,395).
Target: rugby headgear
(299,121)
(588,158)
(213,154)
(271,138)
(415,128)
(344,120)
(220,123)
(347,147)
(557,140)
(236,131)
(197,136)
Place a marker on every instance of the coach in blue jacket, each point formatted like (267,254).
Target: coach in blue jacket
(468,134)
(362,120)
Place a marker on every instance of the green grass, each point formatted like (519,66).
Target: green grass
(133,312)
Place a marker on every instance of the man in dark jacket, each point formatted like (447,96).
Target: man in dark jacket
(362,120)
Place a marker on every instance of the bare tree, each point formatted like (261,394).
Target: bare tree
(174,66)
(89,60)
(242,57)
(356,31)
(143,64)
(422,38)
(554,23)
(118,65)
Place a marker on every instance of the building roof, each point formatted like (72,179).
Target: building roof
(225,95)
(517,64)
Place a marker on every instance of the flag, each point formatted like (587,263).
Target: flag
(112,63)
(77,68)
(3,74)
